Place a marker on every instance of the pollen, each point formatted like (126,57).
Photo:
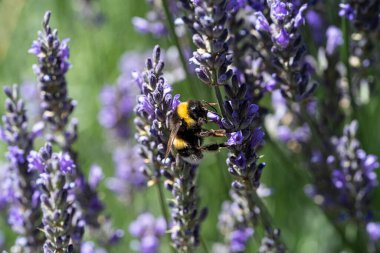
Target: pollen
(179,143)
(183,113)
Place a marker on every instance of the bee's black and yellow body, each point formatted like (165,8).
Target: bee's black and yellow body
(187,134)
(191,115)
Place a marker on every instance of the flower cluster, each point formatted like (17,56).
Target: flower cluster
(57,108)
(24,215)
(207,21)
(153,108)
(364,15)
(353,174)
(245,137)
(118,100)
(186,215)
(52,66)
(287,58)
(148,230)
(116,114)
(56,199)
(246,52)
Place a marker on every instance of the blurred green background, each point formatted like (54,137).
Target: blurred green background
(95,52)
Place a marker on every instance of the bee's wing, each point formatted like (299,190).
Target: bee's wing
(172,136)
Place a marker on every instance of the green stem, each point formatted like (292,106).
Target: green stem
(220,100)
(204,245)
(174,37)
(161,197)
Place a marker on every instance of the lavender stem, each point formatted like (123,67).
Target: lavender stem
(204,244)
(164,209)
(220,99)
(162,202)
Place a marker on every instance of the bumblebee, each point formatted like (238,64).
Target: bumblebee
(187,134)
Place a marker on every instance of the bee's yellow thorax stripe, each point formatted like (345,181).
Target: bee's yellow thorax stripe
(179,143)
(183,113)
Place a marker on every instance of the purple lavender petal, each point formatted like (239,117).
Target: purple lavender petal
(282,38)
(35,162)
(235,138)
(66,163)
(373,230)
(334,39)
(95,176)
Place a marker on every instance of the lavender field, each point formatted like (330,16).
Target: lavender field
(222,126)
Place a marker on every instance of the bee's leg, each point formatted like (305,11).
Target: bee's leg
(177,158)
(213,147)
(212,132)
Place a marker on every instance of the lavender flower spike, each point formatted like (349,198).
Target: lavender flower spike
(154,105)
(52,66)
(287,49)
(154,109)
(58,211)
(57,108)
(24,214)
(245,136)
(186,215)
(207,21)
(353,175)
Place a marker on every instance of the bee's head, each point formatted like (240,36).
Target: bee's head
(197,111)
